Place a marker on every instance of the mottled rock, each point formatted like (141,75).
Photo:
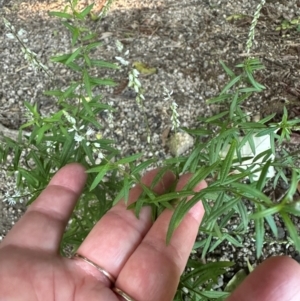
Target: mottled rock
(179,143)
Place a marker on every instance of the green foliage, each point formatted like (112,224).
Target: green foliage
(289,24)
(228,153)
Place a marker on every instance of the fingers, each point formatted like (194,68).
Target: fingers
(119,232)
(153,270)
(276,279)
(43,224)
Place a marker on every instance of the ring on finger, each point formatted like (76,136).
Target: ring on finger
(122,294)
(109,276)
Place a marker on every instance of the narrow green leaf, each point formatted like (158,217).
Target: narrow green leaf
(68,92)
(201,174)
(267,118)
(265,154)
(60,15)
(73,29)
(32,181)
(227,162)
(216,213)
(67,151)
(27,124)
(86,11)
(227,70)
(272,142)
(261,183)
(272,224)
(220,98)
(41,132)
(126,186)
(100,176)
(216,244)
(293,186)
(38,162)
(266,212)
(259,235)
(237,279)
(233,241)
(171,196)
(255,84)
(206,246)
(75,36)
(292,230)
(213,294)
(75,67)
(17,155)
(251,193)
(119,196)
(89,36)
(248,90)
(216,117)
(61,58)
(92,46)
(129,159)
(88,110)
(230,84)
(243,213)
(265,132)
(233,105)
(104,64)
(252,125)
(74,55)
(142,166)
(87,84)
(102,81)
(191,158)
(87,60)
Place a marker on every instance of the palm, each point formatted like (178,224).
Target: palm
(47,277)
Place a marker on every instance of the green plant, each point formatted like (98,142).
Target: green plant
(72,133)
(226,153)
(287,25)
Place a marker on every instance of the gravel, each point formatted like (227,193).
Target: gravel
(184,41)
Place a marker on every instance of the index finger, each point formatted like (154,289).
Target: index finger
(45,220)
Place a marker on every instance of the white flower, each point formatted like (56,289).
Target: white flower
(11,201)
(119,46)
(78,138)
(174,118)
(22,32)
(10,36)
(90,131)
(69,118)
(135,72)
(167,94)
(122,61)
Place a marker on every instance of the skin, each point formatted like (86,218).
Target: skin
(132,250)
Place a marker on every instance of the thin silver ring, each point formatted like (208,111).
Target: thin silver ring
(122,294)
(101,270)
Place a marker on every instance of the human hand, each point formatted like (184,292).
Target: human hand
(131,250)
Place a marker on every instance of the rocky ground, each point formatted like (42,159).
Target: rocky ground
(184,41)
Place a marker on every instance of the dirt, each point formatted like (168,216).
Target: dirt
(184,41)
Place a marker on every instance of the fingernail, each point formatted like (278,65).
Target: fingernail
(197,211)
